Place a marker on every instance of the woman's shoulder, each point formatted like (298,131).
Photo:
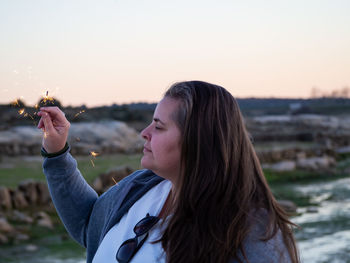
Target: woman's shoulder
(256,245)
(120,197)
(139,179)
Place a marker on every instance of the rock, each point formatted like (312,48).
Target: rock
(343,150)
(346,170)
(21,237)
(21,217)
(107,137)
(31,248)
(97,185)
(106,180)
(3,239)
(28,187)
(118,173)
(300,155)
(288,206)
(312,209)
(5,227)
(44,220)
(43,193)
(282,166)
(316,163)
(18,199)
(5,198)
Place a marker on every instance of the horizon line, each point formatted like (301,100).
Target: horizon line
(155,102)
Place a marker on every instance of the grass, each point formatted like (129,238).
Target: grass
(301,176)
(15,170)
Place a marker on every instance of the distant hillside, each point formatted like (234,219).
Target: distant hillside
(139,114)
(272,106)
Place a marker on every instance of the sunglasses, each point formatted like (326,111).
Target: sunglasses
(129,247)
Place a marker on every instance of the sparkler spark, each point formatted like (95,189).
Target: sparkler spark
(32,117)
(15,103)
(26,114)
(80,112)
(94,154)
(114,180)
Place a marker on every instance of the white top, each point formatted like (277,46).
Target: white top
(152,203)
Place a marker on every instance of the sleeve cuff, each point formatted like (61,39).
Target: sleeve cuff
(44,153)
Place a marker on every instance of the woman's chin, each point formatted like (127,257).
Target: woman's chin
(144,163)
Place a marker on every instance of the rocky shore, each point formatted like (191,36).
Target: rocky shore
(30,204)
(283,143)
(107,137)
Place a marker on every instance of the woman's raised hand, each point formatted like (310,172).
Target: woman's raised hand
(55,126)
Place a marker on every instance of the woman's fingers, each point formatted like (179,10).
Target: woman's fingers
(56,118)
(55,113)
(40,124)
(56,127)
(47,123)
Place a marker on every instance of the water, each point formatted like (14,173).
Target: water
(325,233)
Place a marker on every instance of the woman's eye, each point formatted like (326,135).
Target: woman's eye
(157,128)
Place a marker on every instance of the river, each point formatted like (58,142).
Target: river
(325,230)
(323,237)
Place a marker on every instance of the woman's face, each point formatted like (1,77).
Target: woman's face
(161,152)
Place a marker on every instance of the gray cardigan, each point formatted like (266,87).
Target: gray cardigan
(88,217)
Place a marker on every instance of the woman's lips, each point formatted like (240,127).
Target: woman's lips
(145,149)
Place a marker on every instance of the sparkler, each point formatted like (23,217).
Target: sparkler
(50,100)
(47,98)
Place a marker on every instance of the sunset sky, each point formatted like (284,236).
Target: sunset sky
(121,51)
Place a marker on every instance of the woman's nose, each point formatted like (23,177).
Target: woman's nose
(145,134)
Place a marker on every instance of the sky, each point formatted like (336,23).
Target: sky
(121,51)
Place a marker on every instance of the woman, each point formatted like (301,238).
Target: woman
(201,198)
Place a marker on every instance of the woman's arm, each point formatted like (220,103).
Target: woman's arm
(71,195)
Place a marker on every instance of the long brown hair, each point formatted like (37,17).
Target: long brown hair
(221,183)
